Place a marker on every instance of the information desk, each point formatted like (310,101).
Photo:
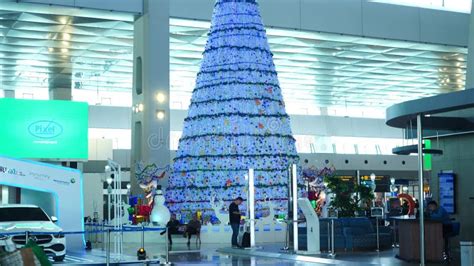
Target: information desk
(409,240)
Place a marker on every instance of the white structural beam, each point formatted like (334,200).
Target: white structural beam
(294,194)
(251,205)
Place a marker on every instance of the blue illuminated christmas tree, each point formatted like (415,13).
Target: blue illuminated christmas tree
(236,119)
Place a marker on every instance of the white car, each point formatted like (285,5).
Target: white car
(21,218)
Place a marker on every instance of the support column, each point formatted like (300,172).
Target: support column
(9,194)
(9,93)
(60,84)
(151,88)
(59,93)
(419,130)
(470,54)
(5,194)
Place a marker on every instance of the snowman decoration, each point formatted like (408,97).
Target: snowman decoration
(160,215)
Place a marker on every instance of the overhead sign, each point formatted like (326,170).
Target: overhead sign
(44,129)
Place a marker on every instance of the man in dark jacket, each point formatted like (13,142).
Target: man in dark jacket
(172,227)
(234,219)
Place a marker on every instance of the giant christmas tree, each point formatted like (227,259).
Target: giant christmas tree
(236,120)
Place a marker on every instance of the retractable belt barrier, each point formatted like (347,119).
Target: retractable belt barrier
(107,229)
(125,229)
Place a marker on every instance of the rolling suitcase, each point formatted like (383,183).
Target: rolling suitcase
(246,240)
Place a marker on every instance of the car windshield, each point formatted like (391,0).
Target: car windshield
(22,214)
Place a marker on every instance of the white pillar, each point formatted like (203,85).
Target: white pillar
(251,200)
(5,195)
(150,134)
(294,187)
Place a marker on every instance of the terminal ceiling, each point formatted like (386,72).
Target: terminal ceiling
(41,50)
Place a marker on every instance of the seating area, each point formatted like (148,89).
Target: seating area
(351,234)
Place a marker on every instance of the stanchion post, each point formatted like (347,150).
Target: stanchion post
(333,253)
(27,237)
(96,233)
(394,233)
(167,262)
(419,134)
(103,235)
(143,236)
(378,237)
(107,256)
(94,230)
(86,229)
(329,239)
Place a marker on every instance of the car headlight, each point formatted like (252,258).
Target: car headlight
(59,235)
(3,237)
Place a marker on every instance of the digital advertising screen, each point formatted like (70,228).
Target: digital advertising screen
(447,192)
(44,129)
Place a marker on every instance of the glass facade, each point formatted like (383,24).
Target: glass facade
(449,5)
(121,138)
(325,144)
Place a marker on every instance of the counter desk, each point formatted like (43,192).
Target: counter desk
(409,239)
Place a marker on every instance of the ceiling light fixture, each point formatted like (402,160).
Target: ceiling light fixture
(160,114)
(160,97)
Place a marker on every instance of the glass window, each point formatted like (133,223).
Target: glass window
(355,111)
(174,139)
(458,5)
(22,214)
(122,138)
(451,5)
(32,93)
(106,98)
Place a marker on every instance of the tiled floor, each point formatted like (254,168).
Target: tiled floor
(208,254)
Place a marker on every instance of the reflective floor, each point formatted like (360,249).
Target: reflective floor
(208,254)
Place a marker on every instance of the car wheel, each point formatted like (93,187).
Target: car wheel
(58,258)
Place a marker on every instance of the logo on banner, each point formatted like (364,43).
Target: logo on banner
(61,182)
(38,176)
(45,129)
(11,171)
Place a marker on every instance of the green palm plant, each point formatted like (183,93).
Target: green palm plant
(349,198)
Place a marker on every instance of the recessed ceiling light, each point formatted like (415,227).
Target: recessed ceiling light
(63,20)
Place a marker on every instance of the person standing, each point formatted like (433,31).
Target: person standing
(234,219)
